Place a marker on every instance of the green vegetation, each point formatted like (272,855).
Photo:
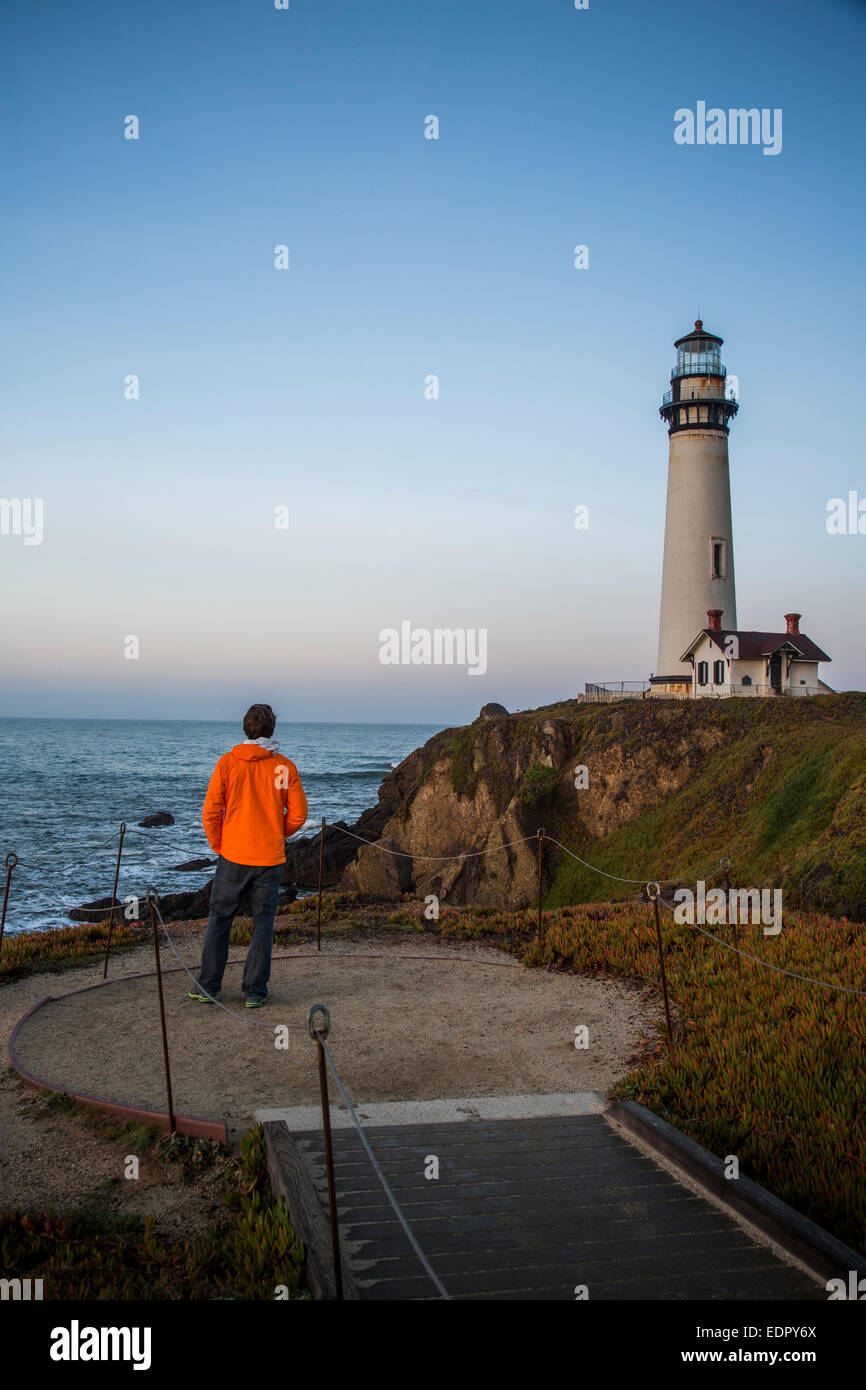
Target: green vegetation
(94,1254)
(464,778)
(64,946)
(788,806)
(778,786)
(766,1067)
(538,785)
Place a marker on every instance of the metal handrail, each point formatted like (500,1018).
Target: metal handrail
(707,370)
(667,399)
(592,687)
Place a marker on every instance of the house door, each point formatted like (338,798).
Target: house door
(776,671)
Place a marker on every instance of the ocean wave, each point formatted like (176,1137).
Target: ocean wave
(353,775)
(68,856)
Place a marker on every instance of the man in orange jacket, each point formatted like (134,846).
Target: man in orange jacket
(254,802)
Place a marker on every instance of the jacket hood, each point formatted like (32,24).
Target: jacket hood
(251,753)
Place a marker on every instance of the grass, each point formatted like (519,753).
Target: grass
(779,787)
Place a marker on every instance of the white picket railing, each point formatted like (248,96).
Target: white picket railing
(599,696)
(738,688)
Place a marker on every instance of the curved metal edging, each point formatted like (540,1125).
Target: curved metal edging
(196,1125)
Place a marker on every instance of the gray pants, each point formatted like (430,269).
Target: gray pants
(231,882)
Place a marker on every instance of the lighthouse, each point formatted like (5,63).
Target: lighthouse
(698,568)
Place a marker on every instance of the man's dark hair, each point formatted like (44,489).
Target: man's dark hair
(259,721)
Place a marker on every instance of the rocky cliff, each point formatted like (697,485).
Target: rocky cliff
(644,789)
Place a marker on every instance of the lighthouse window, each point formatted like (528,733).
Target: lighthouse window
(698,358)
(717,559)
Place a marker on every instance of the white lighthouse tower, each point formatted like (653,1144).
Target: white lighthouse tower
(698,571)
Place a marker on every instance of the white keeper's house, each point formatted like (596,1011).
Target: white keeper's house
(727,662)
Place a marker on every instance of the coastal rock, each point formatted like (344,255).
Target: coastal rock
(343,842)
(384,868)
(90,912)
(465,808)
(175,907)
(464,821)
(492,710)
(302,857)
(186,907)
(192,865)
(458,817)
(157,819)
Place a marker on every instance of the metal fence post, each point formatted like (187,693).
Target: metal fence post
(726,864)
(321,866)
(654,899)
(540,834)
(11,861)
(318,1034)
(113,898)
(171,1119)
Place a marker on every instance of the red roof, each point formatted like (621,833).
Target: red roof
(757,644)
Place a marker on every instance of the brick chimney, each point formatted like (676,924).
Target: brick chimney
(715,617)
(792,622)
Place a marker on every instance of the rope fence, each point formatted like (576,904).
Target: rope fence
(809,979)
(652,892)
(13,863)
(319,1034)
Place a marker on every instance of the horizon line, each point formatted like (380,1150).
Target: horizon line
(166,719)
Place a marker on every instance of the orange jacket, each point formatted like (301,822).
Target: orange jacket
(254,802)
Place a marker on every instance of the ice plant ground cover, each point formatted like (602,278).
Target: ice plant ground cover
(766,1066)
(93,1255)
(65,947)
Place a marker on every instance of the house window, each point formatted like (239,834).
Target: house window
(703,672)
(718,673)
(747,680)
(718,558)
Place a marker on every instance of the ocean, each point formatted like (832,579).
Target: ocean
(66,785)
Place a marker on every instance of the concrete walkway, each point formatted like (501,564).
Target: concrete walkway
(522,1208)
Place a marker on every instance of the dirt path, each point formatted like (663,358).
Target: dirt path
(468,1020)
(51,1155)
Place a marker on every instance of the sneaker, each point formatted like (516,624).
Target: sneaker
(255,1003)
(200,998)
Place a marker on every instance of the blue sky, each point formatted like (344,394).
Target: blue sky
(408,257)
